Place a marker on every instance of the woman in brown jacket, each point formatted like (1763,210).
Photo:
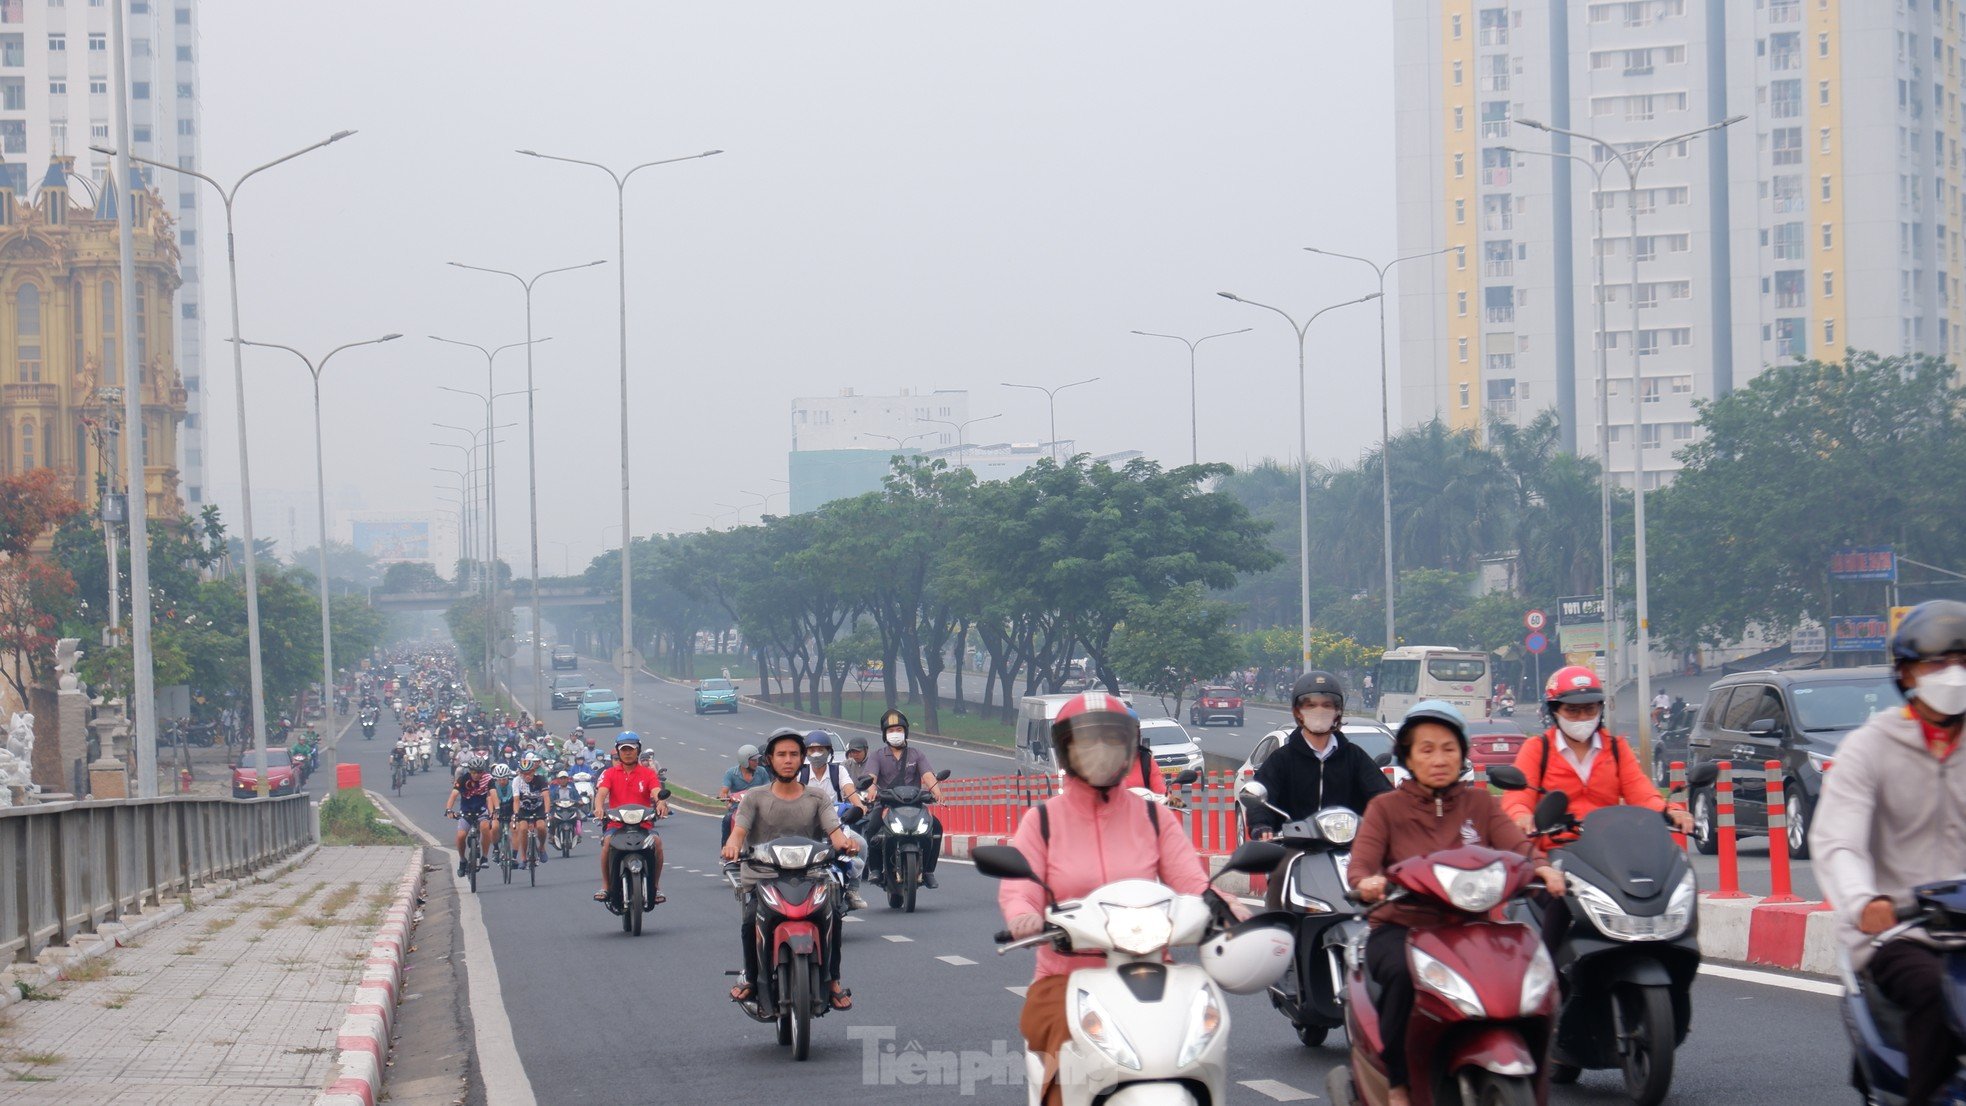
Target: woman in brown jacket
(1431,811)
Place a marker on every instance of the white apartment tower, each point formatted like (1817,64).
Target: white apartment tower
(55,99)
(1745,254)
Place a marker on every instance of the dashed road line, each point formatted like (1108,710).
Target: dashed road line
(1280,1092)
(1018,991)
(957,961)
(897,938)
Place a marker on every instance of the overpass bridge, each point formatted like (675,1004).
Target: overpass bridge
(520,596)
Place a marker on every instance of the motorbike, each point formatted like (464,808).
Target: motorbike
(1145,1029)
(1627,960)
(1484,991)
(847,870)
(560,828)
(1880,1069)
(423,756)
(1314,890)
(791,987)
(631,882)
(909,835)
(368,727)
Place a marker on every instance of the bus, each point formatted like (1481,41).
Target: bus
(1412,673)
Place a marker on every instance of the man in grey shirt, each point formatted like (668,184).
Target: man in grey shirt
(787,808)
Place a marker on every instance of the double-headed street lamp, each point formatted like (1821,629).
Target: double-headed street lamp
(315,370)
(1194,432)
(255,668)
(628,658)
(532,462)
(961,427)
(473,515)
(1632,158)
(1051,401)
(1303,460)
(1385,417)
(899,443)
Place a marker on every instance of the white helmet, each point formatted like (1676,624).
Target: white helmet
(1250,955)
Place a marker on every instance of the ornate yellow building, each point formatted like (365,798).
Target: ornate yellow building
(61,364)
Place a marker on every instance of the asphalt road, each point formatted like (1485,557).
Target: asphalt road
(598,1014)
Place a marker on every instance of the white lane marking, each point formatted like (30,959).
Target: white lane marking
(1018,991)
(1281,1092)
(1771,979)
(851,918)
(896,938)
(957,961)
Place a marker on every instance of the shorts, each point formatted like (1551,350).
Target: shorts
(471,814)
(529,813)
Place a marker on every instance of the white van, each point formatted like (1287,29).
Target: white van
(1034,718)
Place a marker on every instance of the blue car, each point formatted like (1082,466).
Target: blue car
(716,693)
(597,706)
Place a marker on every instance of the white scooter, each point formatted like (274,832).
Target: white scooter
(1145,1031)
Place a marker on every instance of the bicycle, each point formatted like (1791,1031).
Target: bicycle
(472,853)
(396,777)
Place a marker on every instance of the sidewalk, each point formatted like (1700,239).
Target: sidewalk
(237,1001)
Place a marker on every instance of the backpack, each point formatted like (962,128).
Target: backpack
(1044,822)
(833,773)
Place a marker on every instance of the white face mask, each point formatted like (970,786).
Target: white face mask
(1577,729)
(1944,691)
(1318,720)
(1100,763)
(819,759)
(897,739)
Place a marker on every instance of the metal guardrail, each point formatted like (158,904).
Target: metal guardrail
(67,868)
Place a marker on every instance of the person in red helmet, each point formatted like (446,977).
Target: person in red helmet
(1580,756)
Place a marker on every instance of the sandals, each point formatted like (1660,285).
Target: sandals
(743,992)
(841,998)
(600,896)
(660,898)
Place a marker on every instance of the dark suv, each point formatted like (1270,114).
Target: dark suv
(567,690)
(1796,718)
(565,657)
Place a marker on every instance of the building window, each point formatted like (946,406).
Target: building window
(1829,236)
(1829,283)
(99,87)
(1822,45)
(1455,27)
(1460,118)
(184,126)
(184,90)
(140,90)
(1787,145)
(28,457)
(1457,74)
(190,309)
(27,332)
(184,53)
(1461,304)
(188,237)
(1460,166)
(111,367)
(57,88)
(184,17)
(1464,393)
(139,47)
(98,43)
(1825,140)
(1822,93)
(1829,333)
(57,43)
(13,136)
(1826,190)
(1460,211)
(1461,349)
(140,132)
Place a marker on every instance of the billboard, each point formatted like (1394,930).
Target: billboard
(1579,610)
(1864,564)
(392,539)
(1856,633)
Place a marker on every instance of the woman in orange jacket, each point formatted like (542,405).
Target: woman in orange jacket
(1580,756)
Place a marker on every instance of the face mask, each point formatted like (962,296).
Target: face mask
(819,759)
(1100,763)
(1318,720)
(897,739)
(1944,691)
(1577,729)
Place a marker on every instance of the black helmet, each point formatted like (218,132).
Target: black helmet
(1429,710)
(1931,629)
(856,743)
(892,717)
(1315,682)
(784,733)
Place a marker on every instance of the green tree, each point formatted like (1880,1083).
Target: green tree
(411,576)
(1167,646)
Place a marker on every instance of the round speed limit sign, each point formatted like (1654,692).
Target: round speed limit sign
(1535,620)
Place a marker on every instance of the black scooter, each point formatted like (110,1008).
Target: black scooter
(1313,888)
(1627,959)
(1880,1070)
(907,835)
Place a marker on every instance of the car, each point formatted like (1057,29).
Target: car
(1174,751)
(598,705)
(567,690)
(565,657)
(1796,717)
(716,693)
(281,776)
(1493,741)
(1216,702)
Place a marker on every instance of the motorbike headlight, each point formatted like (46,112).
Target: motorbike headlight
(1613,921)
(630,817)
(1537,981)
(1204,1022)
(1338,826)
(1446,982)
(896,825)
(791,856)
(1474,891)
(1102,1032)
(1139,930)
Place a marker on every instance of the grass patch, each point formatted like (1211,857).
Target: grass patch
(685,797)
(217,924)
(192,949)
(312,1050)
(866,710)
(338,899)
(30,993)
(36,1059)
(349,818)
(27,1075)
(85,971)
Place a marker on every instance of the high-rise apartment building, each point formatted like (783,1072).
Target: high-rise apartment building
(1828,218)
(55,100)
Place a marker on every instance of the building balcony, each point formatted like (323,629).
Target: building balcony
(41,393)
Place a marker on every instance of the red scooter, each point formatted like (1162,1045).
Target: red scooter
(1484,991)
(792,954)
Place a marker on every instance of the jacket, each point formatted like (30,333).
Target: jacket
(1411,821)
(1866,846)
(1303,785)
(1095,840)
(1615,777)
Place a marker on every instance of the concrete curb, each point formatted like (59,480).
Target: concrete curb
(362,1041)
(54,960)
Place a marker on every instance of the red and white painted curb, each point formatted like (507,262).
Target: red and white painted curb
(362,1042)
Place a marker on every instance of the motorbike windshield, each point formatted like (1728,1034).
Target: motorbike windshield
(1629,846)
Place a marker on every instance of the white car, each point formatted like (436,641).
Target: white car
(1173,749)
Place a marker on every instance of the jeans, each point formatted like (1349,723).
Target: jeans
(1909,974)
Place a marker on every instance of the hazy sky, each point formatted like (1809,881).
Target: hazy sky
(912,195)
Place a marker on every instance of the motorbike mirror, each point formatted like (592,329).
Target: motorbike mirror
(1002,862)
(1254,856)
(863,783)
(1383,759)
(852,817)
(663,794)
(1186,777)
(1508,777)
(1255,792)
(1552,811)
(942,775)
(1703,774)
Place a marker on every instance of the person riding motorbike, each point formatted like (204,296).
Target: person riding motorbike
(746,774)
(856,753)
(628,783)
(1432,810)
(1316,766)
(1093,832)
(822,771)
(529,808)
(785,808)
(898,764)
(469,803)
(1886,823)
(563,790)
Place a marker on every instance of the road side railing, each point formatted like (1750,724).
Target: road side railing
(997,805)
(66,868)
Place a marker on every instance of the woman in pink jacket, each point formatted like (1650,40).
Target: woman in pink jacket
(1093,832)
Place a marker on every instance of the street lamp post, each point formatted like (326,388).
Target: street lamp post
(532,462)
(1303,462)
(255,668)
(1632,161)
(899,443)
(315,370)
(566,556)
(961,427)
(463,513)
(1386,421)
(1051,400)
(472,516)
(628,659)
(1194,432)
